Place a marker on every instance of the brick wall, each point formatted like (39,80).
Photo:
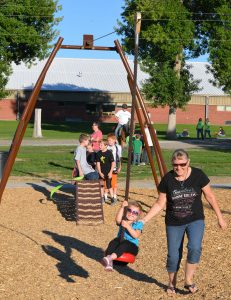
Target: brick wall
(59,111)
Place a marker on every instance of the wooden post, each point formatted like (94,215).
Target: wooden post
(25,119)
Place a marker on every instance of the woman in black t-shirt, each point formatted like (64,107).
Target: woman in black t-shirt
(180,190)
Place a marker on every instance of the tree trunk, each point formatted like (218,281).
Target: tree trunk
(37,132)
(171,131)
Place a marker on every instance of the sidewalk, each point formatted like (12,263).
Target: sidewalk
(224,144)
(141,184)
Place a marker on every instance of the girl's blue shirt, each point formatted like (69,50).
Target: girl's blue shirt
(138,225)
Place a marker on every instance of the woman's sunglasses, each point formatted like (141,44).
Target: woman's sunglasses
(180,165)
(133,212)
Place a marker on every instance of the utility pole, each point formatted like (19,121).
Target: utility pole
(206,107)
(137,32)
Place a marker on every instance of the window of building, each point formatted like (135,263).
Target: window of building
(224,108)
(108,109)
(91,108)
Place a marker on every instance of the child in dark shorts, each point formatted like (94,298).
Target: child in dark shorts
(105,166)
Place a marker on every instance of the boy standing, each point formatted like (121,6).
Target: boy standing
(137,149)
(123,116)
(105,166)
(84,168)
(117,154)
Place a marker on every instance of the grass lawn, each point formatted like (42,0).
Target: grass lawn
(57,163)
(69,130)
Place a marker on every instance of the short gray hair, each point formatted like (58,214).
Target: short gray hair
(179,153)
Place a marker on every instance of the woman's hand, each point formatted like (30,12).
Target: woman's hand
(222,224)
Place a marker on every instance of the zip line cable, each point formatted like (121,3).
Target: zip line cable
(166,39)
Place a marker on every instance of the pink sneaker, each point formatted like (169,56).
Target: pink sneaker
(107,263)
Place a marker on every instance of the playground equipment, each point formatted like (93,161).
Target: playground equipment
(126,258)
(138,107)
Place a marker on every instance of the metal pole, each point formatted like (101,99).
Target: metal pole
(25,119)
(137,31)
(206,107)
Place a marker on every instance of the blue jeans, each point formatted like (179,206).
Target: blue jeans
(136,158)
(92,176)
(200,133)
(117,130)
(175,240)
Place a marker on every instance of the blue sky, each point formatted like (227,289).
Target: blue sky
(97,17)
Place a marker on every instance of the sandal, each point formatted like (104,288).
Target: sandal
(171,290)
(192,288)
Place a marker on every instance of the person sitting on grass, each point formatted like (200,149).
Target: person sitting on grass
(221,132)
(83,166)
(105,166)
(130,241)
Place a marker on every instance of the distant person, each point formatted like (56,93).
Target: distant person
(91,156)
(116,150)
(185,133)
(105,166)
(145,159)
(96,136)
(123,117)
(221,132)
(207,128)
(137,149)
(83,166)
(199,128)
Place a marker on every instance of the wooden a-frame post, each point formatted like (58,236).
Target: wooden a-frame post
(87,45)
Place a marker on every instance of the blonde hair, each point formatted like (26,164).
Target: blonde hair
(111,136)
(104,141)
(136,204)
(83,137)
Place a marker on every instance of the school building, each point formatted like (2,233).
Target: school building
(94,89)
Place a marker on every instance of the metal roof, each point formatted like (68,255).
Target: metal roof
(103,75)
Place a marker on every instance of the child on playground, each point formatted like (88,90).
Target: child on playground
(105,166)
(83,166)
(91,155)
(117,154)
(137,149)
(132,231)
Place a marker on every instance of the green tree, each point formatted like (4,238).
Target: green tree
(171,32)
(26,32)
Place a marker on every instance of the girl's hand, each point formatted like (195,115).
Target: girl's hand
(124,203)
(125,224)
(222,224)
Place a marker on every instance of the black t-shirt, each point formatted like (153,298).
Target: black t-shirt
(105,158)
(91,159)
(184,203)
